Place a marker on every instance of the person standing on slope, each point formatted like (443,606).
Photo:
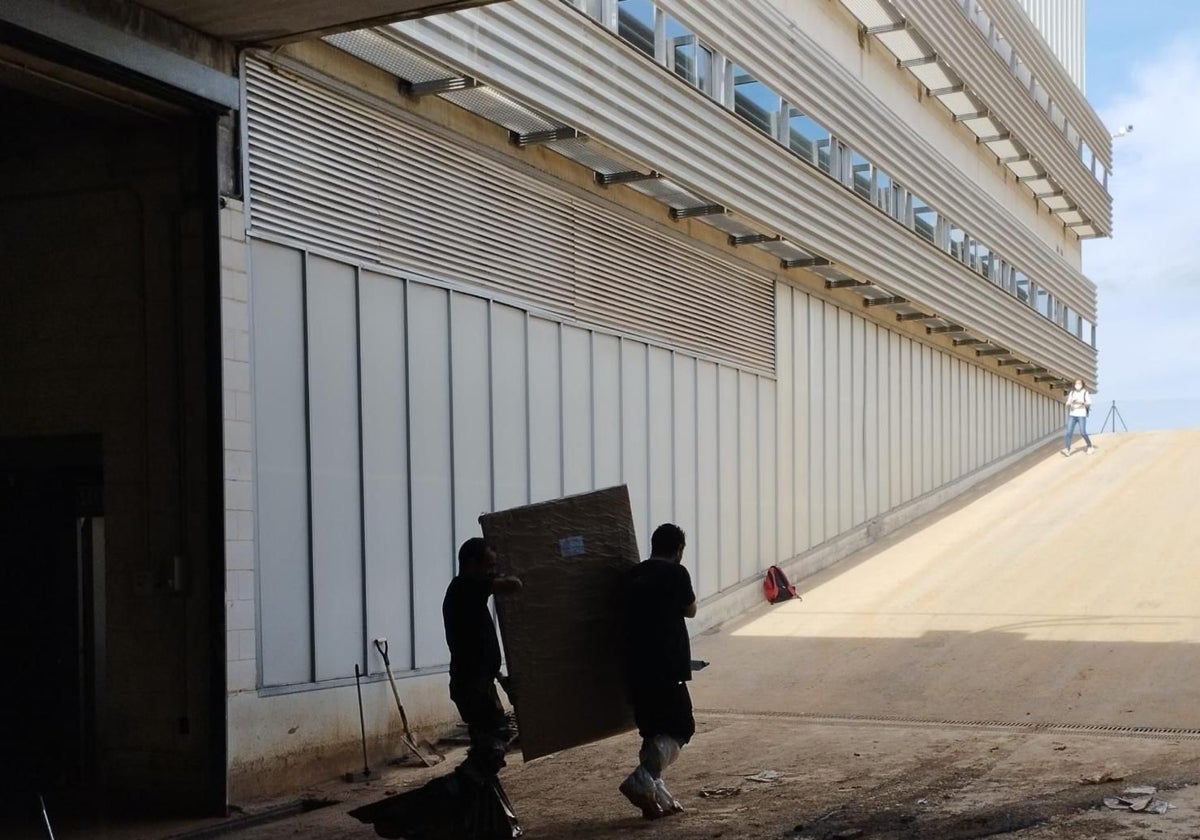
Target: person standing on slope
(1079,403)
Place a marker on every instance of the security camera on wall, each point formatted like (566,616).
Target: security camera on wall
(1122,131)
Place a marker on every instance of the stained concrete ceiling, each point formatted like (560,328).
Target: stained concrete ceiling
(280,21)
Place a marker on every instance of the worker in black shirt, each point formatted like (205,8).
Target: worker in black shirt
(658,597)
(468,804)
(475,654)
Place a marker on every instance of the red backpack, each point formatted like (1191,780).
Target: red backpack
(776,586)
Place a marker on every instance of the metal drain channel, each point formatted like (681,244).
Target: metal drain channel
(1031,727)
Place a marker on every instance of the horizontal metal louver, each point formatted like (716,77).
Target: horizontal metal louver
(344,175)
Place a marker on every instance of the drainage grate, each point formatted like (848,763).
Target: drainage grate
(269,815)
(896,720)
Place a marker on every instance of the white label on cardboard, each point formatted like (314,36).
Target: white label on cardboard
(571,546)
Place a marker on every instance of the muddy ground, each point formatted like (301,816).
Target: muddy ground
(836,779)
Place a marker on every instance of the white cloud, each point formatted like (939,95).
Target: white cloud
(1149,274)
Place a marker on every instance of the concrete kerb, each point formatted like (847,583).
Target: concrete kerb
(737,600)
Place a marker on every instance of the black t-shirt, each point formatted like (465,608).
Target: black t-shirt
(657,649)
(470,633)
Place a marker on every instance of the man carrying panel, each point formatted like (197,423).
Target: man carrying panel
(658,599)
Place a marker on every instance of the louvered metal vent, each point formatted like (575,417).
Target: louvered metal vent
(345,175)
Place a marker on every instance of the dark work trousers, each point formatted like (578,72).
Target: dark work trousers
(663,708)
(487,726)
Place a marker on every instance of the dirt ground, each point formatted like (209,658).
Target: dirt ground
(959,680)
(836,780)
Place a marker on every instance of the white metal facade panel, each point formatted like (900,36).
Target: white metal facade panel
(281,467)
(334,464)
(661,432)
(707,543)
(685,455)
(1031,45)
(510,407)
(385,471)
(467,403)
(431,457)
(958,41)
(606,408)
(747,454)
(577,389)
(729,477)
(818,398)
(928,417)
(635,447)
(330,170)
(518,44)
(470,382)
(545,411)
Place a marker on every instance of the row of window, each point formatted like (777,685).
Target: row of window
(1025,76)
(649,29)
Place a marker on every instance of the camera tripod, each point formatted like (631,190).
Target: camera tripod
(1114,414)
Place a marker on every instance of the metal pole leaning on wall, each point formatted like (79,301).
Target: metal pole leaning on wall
(1114,414)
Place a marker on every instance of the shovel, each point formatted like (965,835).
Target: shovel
(421,749)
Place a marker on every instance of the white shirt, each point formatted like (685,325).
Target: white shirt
(1078,401)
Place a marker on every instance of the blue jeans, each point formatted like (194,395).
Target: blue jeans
(1072,422)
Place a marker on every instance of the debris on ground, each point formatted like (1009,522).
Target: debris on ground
(1108,774)
(1140,799)
(719,792)
(765,776)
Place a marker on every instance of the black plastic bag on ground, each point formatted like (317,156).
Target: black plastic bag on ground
(452,807)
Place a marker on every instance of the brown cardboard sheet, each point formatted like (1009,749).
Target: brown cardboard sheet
(562,631)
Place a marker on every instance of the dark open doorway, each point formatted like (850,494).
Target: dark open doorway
(110,512)
(51,606)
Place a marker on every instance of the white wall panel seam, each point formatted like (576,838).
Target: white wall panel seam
(780,208)
(312,593)
(362,470)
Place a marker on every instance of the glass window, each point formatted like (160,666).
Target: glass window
(860,174)
(1002,47)
(958,243)
(1042,302)
(1021,286)
(635,23)
(1039,94)
(983,260)
(755,102)
(688,58)
(882,193)
(904,207)
(1023,74)
(925,220)
(1072,320)
(1003,275)
(809,139)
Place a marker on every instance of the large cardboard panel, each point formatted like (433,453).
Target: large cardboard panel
(562,631)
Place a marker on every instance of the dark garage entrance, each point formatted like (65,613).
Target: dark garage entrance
(111,591)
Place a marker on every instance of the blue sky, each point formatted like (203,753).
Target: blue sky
(1143,68)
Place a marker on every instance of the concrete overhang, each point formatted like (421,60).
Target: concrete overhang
(173,47)
(281,21)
